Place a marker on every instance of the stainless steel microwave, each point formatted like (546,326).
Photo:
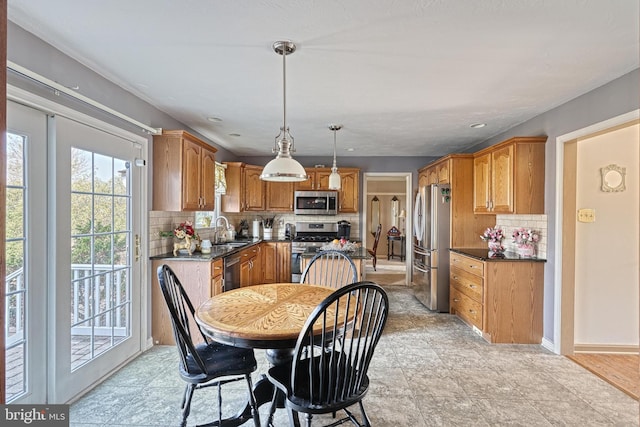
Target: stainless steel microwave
(316,203)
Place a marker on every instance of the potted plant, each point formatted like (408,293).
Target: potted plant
(185,238)
(525,240)
(493,237)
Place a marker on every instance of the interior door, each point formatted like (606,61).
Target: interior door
(94,320)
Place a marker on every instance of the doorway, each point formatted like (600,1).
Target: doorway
(579,321)
(387,201)
(75,204)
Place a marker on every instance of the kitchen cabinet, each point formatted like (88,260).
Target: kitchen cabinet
(501,299)
(247,192)
(250,266)
(318,180)
(200,280)
(509,177)
(457,171)
(276,262)
(279,196)
(348,195)
(254,189)
(183,172)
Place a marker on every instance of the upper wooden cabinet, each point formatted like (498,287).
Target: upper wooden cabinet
(435,173)
(456,170)
(247,192)
(318,180)
(509,177)
(183,172)
(279,196)
(254,189)
(348,195)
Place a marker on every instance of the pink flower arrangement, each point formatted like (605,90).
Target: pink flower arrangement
(523,236)
(181,231)
(492,235)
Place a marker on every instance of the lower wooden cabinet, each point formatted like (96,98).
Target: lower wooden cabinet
(276,262)
(200,279)
(501,298)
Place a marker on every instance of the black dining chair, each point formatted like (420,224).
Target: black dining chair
(328,372)
(374,250)
(331,268)
(206,364)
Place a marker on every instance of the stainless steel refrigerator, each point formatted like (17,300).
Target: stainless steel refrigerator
(431,219)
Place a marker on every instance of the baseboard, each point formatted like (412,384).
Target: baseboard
(549,345)
(606,348)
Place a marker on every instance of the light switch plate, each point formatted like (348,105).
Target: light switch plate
(587,215)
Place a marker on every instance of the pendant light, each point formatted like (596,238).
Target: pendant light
(334,178)
(284,167)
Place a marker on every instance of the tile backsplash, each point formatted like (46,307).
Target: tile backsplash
(508,223)
(166,221)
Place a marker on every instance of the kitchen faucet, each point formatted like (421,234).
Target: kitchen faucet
(216,232)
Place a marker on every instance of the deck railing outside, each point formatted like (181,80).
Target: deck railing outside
(99,302)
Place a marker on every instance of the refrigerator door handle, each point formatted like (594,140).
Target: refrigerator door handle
(419,251)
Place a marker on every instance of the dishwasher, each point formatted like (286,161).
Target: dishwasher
(231,272)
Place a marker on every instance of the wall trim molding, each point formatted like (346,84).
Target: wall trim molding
(606,348)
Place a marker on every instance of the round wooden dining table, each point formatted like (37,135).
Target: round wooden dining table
(268,316)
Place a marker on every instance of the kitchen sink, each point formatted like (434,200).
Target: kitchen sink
(231,244)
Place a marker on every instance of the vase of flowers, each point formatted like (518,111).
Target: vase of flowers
(493,237)
(525,240)
(185,238)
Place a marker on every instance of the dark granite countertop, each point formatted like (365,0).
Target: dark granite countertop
(219,250)
(483,255)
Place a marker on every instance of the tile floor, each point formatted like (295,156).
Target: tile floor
(429,370)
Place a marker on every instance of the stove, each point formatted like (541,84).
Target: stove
(309,236)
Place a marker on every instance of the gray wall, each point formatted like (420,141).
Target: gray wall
(611,100)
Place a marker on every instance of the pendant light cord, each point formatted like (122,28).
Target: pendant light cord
(284,91)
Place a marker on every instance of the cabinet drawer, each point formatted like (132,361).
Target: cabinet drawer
(468,264)
(467,283)
(468,309)
(217,267)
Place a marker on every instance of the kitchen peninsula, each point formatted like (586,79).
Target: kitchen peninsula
(500,298)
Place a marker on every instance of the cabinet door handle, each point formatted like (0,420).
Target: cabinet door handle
(472,286)
(456,300)
(472,311)
(486,204)
(455,277)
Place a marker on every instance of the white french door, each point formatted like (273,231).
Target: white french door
(74,314)
(25,255)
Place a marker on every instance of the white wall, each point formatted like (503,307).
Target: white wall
(606,292)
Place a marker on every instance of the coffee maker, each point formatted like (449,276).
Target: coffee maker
(344,229)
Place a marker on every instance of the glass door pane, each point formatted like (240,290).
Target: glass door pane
(25,255)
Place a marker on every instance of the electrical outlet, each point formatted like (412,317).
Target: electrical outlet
(587,215)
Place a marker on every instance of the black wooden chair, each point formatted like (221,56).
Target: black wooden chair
(331,268)
(374,250)
(328,372)
(206,364)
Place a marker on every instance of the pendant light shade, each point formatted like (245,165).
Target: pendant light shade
(334,178)
(284,167)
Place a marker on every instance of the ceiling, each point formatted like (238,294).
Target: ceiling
(403,77)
